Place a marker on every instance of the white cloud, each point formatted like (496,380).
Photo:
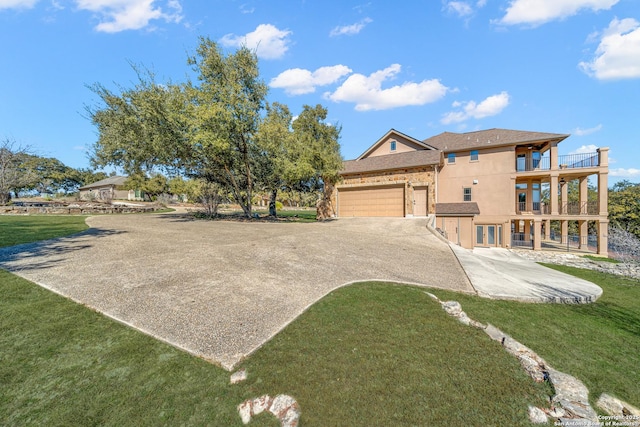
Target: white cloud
(538,12)
(585,149)
(618,54)
(297,81)
(459,8)
(584,132)
(350,29)
(121,15)
(267,40)
(245,9)
(625,173)
(491,106)
(17,4)
(367,93)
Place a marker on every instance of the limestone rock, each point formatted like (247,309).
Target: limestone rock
(537,415)
(283,407)
(616,407)
(572,395)
(238,376)
(244,409)
(261,404)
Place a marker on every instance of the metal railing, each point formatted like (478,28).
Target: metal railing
(574,241)
(580,208)
(566,161)
(581,160)
(521,240)
(568,208)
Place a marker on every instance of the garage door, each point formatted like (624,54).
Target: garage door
(386,201)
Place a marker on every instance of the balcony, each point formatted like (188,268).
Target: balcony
(567,208)
(530,162)
(582,160)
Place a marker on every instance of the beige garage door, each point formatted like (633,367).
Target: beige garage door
(386,201)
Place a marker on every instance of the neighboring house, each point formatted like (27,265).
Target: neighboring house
(111,188)
(485,188)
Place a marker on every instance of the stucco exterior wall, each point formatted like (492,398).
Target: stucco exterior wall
(402,146)
(490,179)
(410,178)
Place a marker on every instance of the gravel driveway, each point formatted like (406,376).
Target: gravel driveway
(220,289)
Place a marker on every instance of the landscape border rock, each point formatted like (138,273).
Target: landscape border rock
(283,407)
(77,208)
(570,403)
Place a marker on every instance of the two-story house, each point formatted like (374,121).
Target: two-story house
(495,187)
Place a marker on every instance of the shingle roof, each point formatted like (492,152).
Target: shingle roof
(410,159)
(449,141)
(457,209)
(112,180)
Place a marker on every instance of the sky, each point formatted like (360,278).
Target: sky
(420,67)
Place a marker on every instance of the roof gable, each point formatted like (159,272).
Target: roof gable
(112,180)
(449,141)
(406,140)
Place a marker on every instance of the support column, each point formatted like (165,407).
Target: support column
(603,193)
(564,231)
(553,194)
(564,191)
(603,238)
(547,229)
(537,235)
(584,191)
(584,234)
(527,229)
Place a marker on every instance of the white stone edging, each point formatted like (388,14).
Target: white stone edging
(569,405)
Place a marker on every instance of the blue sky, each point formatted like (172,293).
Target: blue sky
(421,67)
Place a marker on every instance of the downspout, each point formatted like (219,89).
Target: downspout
(436,182)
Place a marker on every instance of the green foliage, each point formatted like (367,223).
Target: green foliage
(624,207)
(153,187)
(215,130)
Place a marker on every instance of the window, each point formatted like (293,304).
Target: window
(466,194)
(474,155)
(393,146)
(451,158)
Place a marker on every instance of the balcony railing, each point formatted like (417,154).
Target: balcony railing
(568,208)
(578,208)
(568,161)
(582,160)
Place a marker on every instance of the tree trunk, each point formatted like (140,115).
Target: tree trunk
(324,207)
(272,203)
(5,198)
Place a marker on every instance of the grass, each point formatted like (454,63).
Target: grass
(599,258)
(369,354)
(15,229)
(598,343)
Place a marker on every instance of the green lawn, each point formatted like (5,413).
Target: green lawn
(16,229)
(369,354)
(598,343)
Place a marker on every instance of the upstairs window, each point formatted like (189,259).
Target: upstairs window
(474,156)
(451,158)
(393,145)
(466,194)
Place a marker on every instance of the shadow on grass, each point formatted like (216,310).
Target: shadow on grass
(46,253)
(614,316)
